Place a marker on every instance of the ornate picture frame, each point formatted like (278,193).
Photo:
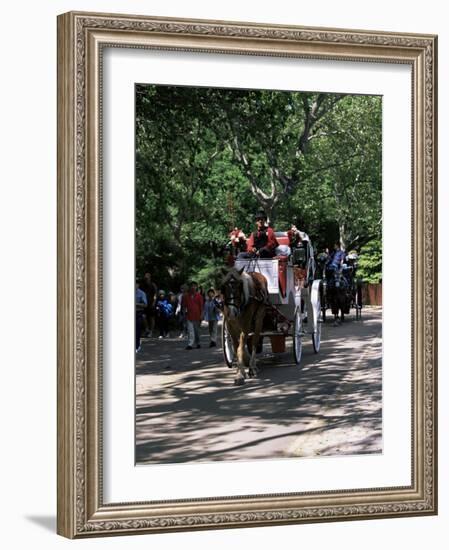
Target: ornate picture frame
(82,511)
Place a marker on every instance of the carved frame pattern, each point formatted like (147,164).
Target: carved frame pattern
(81,511)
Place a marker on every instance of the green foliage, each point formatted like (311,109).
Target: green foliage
(370,262)
(207,159)
(210,274)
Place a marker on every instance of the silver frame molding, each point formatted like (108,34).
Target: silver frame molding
(81,510)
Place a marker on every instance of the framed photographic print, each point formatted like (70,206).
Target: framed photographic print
(246,274)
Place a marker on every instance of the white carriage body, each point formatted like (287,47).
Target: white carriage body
(269,268)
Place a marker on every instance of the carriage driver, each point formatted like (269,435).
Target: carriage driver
(335,260)
(262,242)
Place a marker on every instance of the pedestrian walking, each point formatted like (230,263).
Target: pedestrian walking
(141,304)
(211,314)
(150,288)
(164,312)
(180,312)
(193,303)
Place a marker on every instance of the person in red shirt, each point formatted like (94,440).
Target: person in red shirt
(262,242)
(193,304)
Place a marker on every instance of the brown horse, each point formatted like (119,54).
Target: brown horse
(245,296)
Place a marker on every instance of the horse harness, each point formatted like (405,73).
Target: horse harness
(231,298)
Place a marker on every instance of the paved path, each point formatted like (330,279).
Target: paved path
(187,408)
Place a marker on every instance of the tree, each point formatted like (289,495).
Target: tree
(175,150)
(348,184)
(370,262)
(270,133)
(206,159)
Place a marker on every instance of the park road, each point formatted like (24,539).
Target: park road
(188,409)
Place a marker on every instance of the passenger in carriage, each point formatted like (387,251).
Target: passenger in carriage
(237,241)
(350,267)
(302,253)
(262,242)
(235,246)
(294,236)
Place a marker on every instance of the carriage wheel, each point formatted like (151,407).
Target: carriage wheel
(228,348)
(316,334)
(323,302)
(297,341)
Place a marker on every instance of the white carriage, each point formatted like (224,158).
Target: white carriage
(294,297)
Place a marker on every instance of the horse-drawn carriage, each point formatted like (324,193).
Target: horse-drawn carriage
(342,290)
(293,297)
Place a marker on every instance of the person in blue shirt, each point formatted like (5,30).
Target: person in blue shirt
(164,313)
(335,263)
(211,314)
(336,258)
(141,304)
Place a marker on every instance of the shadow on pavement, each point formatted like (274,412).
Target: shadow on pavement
(188,409)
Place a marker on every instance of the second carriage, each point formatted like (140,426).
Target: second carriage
(342,289)
(294,297)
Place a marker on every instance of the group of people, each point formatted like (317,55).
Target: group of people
(184,311)
(262,243)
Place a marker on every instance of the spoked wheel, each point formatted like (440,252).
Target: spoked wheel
(228,348)
(297,340)
(316,309)
(316,336)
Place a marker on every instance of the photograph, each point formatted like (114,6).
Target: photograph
(258,260)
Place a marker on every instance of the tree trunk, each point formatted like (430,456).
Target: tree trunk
(269,211)
(342,231)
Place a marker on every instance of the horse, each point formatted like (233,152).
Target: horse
(245,297)
(338,293)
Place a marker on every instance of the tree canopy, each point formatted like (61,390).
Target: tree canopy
(208,158)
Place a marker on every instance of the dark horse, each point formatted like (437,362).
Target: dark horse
(338,293)
(245,296)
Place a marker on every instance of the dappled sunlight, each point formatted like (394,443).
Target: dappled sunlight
(330,405)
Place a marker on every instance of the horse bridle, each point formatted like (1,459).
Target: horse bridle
(230,298)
